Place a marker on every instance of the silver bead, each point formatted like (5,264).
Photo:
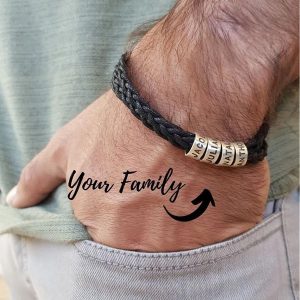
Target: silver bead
(213,151)
(228,153)
(198,148)
(209,151)
(241,154)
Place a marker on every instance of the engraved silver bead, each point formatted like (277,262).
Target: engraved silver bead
(223,154)
(228,153)
(213,151)
(198,148)
(241,154)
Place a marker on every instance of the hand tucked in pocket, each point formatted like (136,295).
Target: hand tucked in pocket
(104,141)
(209,76)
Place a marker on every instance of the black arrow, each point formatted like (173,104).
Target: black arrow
(205,198)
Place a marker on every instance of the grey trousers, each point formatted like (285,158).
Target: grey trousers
(259,264)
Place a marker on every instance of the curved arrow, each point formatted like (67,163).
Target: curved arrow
(205,198)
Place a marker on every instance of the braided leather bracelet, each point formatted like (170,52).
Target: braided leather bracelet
(233,154)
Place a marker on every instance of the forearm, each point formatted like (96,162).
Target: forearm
(220,78)
(218,68)
(211,70)
(206,69)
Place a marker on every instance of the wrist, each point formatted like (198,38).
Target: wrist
(203,84)
(188,92)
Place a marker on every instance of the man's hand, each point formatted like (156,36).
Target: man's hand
(104,141)
(202,75)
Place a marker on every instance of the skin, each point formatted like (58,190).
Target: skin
(105,139)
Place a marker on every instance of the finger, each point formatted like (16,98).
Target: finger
(40,177)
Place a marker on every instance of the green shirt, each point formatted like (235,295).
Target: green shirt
(56,57)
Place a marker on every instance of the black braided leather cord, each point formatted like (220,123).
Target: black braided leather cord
(124,90)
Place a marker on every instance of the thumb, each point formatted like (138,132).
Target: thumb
(40,176)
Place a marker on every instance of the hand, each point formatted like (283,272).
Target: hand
(221,83)
(104,141)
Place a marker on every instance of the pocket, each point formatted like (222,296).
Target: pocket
(250,266)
